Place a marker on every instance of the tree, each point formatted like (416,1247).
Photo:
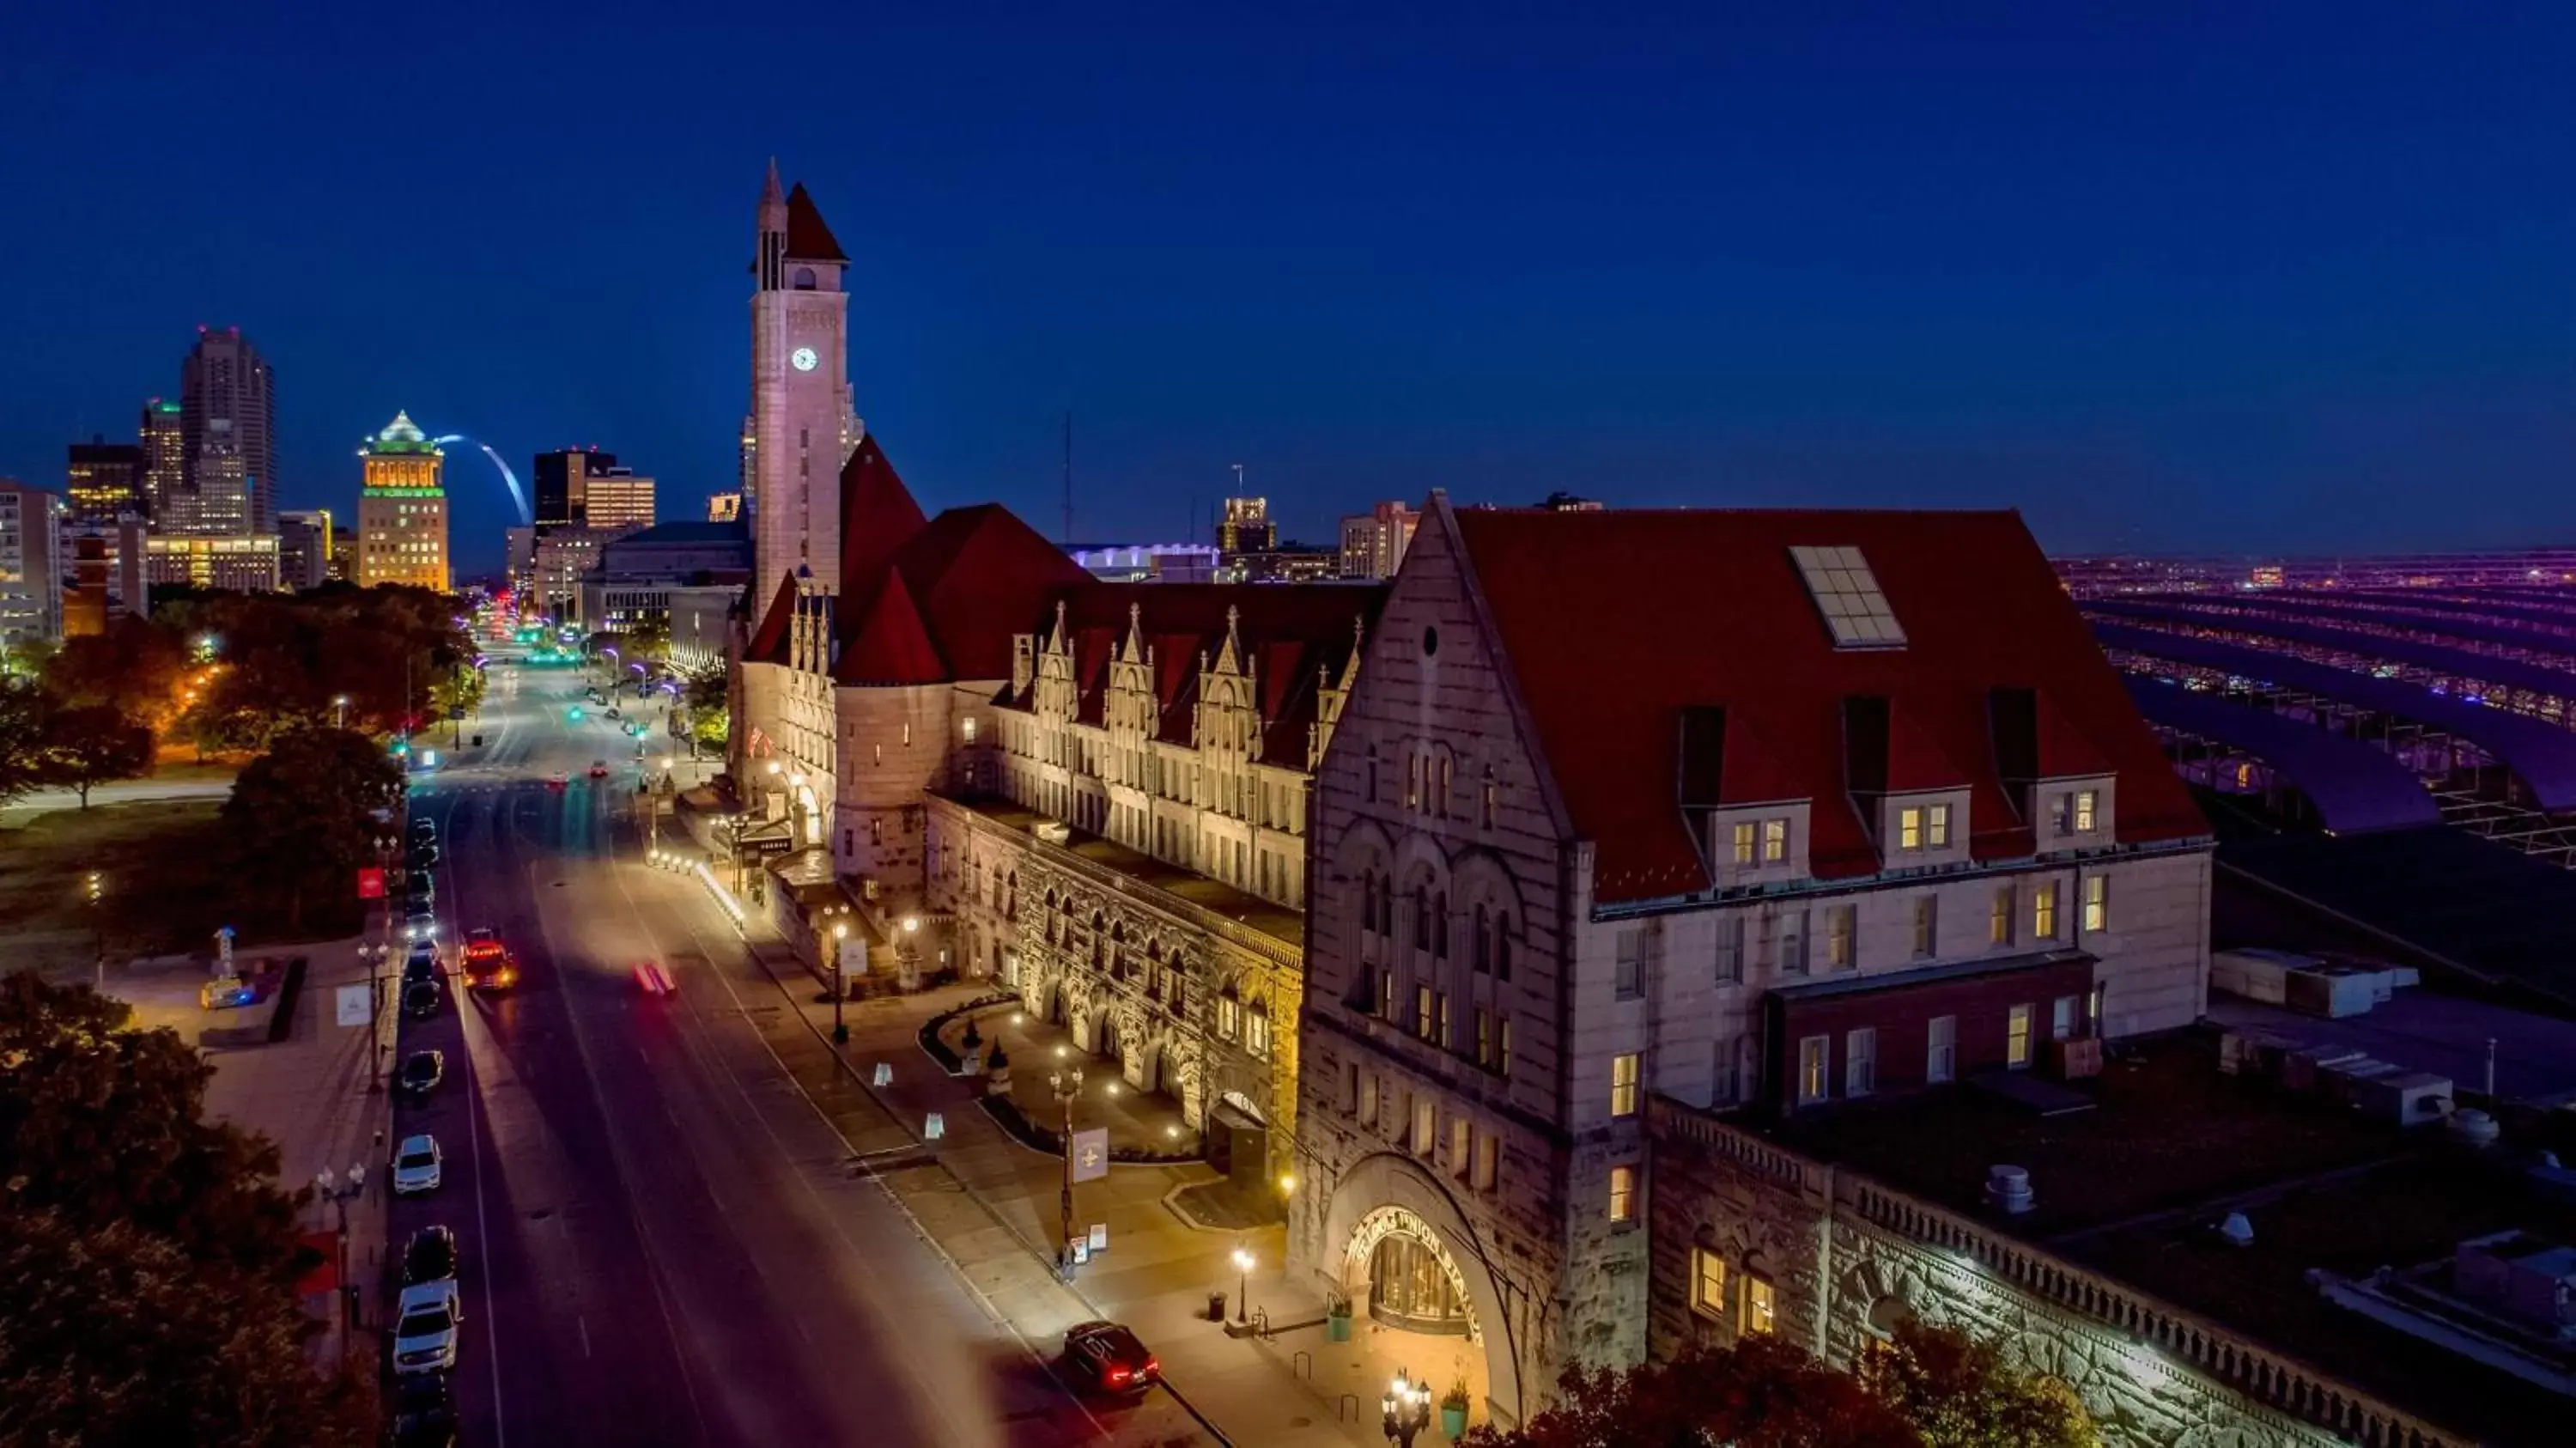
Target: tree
(84,745)
(705,693)
(1959,1392)
(304,816)
(22,738)
(1760,1393)
(134,666)
(104,1123)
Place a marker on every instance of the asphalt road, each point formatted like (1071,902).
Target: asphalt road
(664,1242)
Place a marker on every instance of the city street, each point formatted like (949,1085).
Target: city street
(663,1240)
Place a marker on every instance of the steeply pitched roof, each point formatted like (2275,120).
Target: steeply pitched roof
(769,641)
(889,645)
(1614,622)
(980,575)
(808,239)
(878,514)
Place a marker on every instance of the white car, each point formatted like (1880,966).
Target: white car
(425,1335)
(416,1165)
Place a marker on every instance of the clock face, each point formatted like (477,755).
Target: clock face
(804,359)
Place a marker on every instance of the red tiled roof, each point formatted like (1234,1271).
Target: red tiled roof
(808,239)
(888,644)
(1914,761)
(981,575)
(769,642)
(1615,621)
(878,514)
(2064,752)
(1751,773)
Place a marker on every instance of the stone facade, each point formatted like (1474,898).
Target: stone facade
(1745,1232)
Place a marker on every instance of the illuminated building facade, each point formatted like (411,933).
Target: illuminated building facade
(304,545)
(402,509)
(1373,542)
(103,481)
(228,439)
(1247,527)
(242,562)
(31,565)
(165,452)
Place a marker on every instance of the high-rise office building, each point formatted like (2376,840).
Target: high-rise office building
(402,509)
(1247,527)
(620,501)
(724,507)
(563,483)
(228,434)
(304,549)
(105,568)
(1373,542)
(165,455)
(104,480)
(31,565)
(238,562)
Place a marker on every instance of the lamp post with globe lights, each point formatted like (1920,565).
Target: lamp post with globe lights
(840,982)
(1066,1085)
(329,1189)
(1242,1283)
(1408,1409)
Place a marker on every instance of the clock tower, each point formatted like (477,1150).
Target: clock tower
(801,426)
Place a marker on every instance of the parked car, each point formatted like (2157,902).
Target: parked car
(420,887)
(422,957)
(420,999)
(558,780)
(1110,1358)
(430,1256)
(426,1332)
(420,921)
(424,1412)
(599,769)
(421,1072)
(423,828)
(416,1164)
(424,854)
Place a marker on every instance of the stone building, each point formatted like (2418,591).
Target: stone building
(1766,810)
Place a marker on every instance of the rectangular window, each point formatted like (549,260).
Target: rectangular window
(2043,912)
(2061,1018)
(1847,595)
(1256,1033)
(1368,1097)
(1623,1194)
(1999,923)
(1503,1058)
(1441,1036)
(1730,949)
(1426,1118)
(1860,1061)
(2087,803)
(1422,1011)
(2061,819)
(1744,842)
(1459,1138)
(1815,1057)
(1759,1313)
(1793,942)
(1708,1283)
(2097,902)
(1484,1038)
(1838,936)
(1623,1084)
(2017,1038)
(1630,980)
(1941,1049)
(1350,1088)
(1909,828)
(1927,926)
(1775,841)
(1488,1152)
(1936,826)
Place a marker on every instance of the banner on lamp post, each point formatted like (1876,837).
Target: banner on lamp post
(1091,1154)
(371,883)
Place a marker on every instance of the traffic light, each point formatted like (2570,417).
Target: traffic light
(574,713)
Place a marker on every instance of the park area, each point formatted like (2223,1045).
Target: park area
(162,875)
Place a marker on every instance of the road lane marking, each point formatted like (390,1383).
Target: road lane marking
(482,1216)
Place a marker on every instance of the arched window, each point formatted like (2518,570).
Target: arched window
(1502,947)
(1368,900)
(1483,960)
(1386,906)
(1256,1030)
(1422,917)
(804,279)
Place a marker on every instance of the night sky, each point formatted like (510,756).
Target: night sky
(2293,279)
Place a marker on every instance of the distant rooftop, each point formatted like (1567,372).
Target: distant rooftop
(693,532)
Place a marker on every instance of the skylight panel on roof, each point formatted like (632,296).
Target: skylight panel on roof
(1847,594)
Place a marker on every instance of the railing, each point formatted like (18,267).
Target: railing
(2271,1379)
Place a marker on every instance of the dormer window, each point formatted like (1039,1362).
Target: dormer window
(1846,593)
(2087,803)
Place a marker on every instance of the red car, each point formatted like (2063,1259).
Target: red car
(599,769)
(1110,1358)
(558,780)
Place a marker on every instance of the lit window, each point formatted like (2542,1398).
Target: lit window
(1425,1121)
(1708,1283)
(1623,1084)
(1848,596)
(1484,1037)
(1256,1031)
(1941,1049)
(2043,911)
(1860,1061)
(2061,1018)
(1999,922)
(1759,1313)
(1838,937)
(1459,1137)
(1623,1194)
(2097,902)
(1775,841)
(1815,1055)
(2086,802)
(1488,1150)
(1909,828)
(1422,1017)
(1744,842)
(2017,1038)
(1936,826)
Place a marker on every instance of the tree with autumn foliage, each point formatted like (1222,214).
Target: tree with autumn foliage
(1959,1392)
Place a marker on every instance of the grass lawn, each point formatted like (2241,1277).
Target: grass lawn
(168,881)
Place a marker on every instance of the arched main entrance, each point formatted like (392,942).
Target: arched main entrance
(1397,1246)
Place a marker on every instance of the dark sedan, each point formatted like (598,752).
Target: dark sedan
(1110,1358)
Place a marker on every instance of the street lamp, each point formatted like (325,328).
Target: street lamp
(1066,1085)
(1408,1409)
(96,889)
(327,1187)
(1243,1281)
(840,983)
(339,711)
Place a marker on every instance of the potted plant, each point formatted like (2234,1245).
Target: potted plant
(971,1047)
(1453,1409)
(997,1073)
(1337,1317)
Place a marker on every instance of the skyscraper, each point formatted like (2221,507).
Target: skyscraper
(402,509)
(1373,543)
(620,501)
(228,436)
(304,549)
(104,481)
(165,454)
(801,428)
(563,483)
(31,565)
(1247,527)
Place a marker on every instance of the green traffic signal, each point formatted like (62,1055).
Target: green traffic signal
(574,713)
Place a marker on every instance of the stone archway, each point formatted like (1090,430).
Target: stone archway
(1388,1194)
(809,816)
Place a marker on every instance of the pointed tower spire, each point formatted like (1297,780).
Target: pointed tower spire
(771,262)
(770,191)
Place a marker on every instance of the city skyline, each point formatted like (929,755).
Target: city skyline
(2226,289)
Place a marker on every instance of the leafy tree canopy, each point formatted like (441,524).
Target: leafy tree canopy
(85,745)
(1959,1392)
(302,817)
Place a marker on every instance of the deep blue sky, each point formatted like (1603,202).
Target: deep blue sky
(2291,279)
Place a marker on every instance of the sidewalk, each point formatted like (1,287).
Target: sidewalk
(991,1206)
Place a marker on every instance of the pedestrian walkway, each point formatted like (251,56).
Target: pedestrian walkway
(992,1207)
(1141,1124)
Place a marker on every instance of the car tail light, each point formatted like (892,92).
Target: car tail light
(1118,1372)
(1153,1366)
